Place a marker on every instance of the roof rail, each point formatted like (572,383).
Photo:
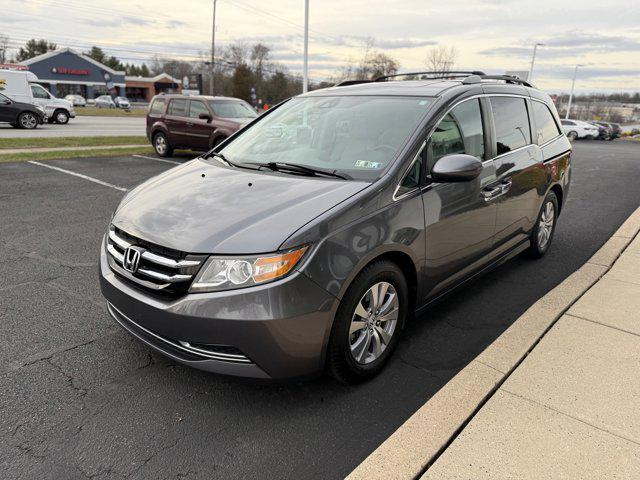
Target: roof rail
(436,74)
(507,79)
(467,76)
(346,83)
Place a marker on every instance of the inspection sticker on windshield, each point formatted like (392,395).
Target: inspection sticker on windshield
(367,164)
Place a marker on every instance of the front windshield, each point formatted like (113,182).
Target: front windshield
(355,135)
(232,109)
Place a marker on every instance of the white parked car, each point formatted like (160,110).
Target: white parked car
(76,100)
(123,102)
(105,101)
(578,129)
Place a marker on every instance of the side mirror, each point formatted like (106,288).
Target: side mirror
(456,168)
(205,116)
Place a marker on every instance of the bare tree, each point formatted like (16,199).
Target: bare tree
(441,58)
(372,64)
(4,48)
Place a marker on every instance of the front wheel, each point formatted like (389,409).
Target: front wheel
(542,234)
(27,120)
(61,117)
(161,145)
(368,323)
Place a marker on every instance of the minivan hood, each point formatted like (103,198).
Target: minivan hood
(202,207)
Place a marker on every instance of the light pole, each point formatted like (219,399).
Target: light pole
(305,68)
(213,46)
(573,84)
(533,60)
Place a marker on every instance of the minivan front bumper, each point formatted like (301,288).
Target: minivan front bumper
(274,331)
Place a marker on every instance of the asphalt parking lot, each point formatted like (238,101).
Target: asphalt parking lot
(82,399)
(89,126)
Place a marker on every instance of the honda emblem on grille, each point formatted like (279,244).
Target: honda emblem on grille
(132,258)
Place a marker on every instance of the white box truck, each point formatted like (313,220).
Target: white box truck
(19,85)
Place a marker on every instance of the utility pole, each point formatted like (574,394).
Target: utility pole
(573,84)
(305,68)
(213,49)
(533,60)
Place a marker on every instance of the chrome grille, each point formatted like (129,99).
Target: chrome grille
(159,269)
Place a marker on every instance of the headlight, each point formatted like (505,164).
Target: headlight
(226,273)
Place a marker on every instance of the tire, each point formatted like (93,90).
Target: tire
(572,136)
(540,241)
(161,145)
(61,117)
(28,120)
(358,352)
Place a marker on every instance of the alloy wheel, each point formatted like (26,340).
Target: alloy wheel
(28,120)
(61,117)
(161,144)
(545,225)
(374,322)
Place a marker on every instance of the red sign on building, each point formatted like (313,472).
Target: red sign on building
(69,71)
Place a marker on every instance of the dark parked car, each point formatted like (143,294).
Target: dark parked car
(194,122)
(305,242)
(19,114)
(604,131)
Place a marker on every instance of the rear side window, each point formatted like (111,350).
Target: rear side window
(546,127)
(156,107)
(177,107)
(460,131)
(512,123)
(196,108)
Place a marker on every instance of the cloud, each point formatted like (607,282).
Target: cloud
(570,45)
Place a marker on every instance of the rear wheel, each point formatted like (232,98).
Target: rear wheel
(572,136)
(368,323)
(161,145)
(27,120)
(542,234)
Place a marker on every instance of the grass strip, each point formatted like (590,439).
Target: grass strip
(110,112)
(62,154)
(55,142)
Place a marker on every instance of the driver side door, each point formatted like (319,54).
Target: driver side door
(459,221)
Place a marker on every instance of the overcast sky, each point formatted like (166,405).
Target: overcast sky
(493,35)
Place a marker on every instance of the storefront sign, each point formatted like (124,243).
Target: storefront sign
(69,71)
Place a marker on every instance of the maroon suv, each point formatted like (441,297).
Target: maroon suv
(194,122)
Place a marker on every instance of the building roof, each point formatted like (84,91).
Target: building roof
(59,51)
(157,78)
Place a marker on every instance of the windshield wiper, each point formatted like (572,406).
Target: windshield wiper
(302,169)
(228,162)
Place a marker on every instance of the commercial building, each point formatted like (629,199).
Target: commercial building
(65,71)
(143,89)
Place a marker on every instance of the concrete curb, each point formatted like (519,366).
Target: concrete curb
(409,451)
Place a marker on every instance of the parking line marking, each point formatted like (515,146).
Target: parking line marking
(69,172)
(158,159)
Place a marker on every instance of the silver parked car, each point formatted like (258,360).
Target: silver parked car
(303,242)
(122,102)
(76,100)
(105,101)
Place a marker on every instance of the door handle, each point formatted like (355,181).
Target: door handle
(505,186)
(189,124)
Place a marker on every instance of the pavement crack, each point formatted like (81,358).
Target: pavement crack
(70,379)
(151,457)
(150,361)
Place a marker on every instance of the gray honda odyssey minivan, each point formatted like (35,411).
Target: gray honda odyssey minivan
(305,241)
